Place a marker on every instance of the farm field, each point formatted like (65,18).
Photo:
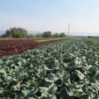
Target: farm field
(10,47)
(67,69)
(17,46)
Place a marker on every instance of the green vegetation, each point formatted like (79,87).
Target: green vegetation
(66,70)
(47,34)
(16,33)
(94,43)
(22,33)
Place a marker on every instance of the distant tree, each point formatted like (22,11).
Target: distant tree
(62,35)
(47,34)
(16,33)
(56,35)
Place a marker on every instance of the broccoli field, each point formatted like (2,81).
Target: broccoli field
(67,69)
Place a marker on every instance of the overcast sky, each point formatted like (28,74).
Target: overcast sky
(53,15)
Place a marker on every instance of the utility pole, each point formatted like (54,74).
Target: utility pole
(68,29)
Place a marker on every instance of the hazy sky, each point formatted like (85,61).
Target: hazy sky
(54,15)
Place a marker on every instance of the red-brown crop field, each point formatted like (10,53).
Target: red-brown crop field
(10,47)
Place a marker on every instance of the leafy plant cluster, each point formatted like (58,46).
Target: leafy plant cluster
(66,70)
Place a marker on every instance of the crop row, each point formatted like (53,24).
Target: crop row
(65,70)
(9,47)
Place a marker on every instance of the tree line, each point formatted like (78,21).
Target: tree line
(17,32)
